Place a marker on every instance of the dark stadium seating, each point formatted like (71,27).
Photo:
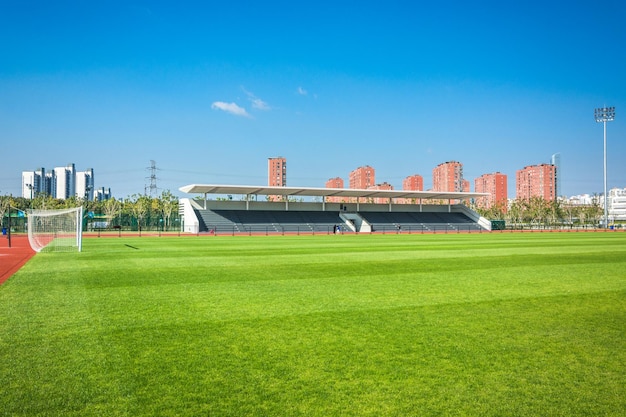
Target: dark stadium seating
(275,221)
(267,221)
(419,221)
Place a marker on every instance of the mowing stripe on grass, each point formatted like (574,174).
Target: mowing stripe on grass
(493,324)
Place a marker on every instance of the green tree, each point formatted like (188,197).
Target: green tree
(46,202)
(594,212)
(4,207)
(554,212)
(495,212)
(516,212)
(537,210)
(169,206)
(139,206)
(112,208)
(155,211)
(71,202)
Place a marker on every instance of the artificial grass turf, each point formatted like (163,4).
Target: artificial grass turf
(483,324)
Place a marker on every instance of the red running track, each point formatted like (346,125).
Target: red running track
(13,258)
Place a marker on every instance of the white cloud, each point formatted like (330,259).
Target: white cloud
(231,108)
(257,103)
(302,91)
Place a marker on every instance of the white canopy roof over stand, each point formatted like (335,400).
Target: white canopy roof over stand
(325,192)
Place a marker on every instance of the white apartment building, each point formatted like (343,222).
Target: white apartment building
(85,185)
(64,182)
(60,183)
(102,194)
(580,200)
(29,189)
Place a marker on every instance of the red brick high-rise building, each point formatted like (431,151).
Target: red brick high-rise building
(276,174)
(336,182)
(496,185)
(536,181)
(383,186)
(448,176)
(413,183)
(465,186)
(362,177)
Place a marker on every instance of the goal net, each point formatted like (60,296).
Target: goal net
(56,230)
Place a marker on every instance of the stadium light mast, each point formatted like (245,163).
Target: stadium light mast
(603,115)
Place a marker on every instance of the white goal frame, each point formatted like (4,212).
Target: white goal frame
(56,230)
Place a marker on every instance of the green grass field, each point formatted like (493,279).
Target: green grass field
(374,325)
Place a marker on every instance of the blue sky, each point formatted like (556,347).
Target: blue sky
(209,90)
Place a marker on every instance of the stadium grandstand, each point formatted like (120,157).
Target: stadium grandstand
(271,210)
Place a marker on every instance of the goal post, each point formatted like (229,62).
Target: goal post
(56,230)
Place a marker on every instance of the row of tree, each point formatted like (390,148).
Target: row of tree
(135,212)
(139,211)
(539,212)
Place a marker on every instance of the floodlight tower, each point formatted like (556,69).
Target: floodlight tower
(603,115)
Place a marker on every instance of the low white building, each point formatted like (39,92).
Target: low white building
(617,204)
(580,200)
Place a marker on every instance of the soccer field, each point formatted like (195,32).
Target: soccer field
(524,324)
